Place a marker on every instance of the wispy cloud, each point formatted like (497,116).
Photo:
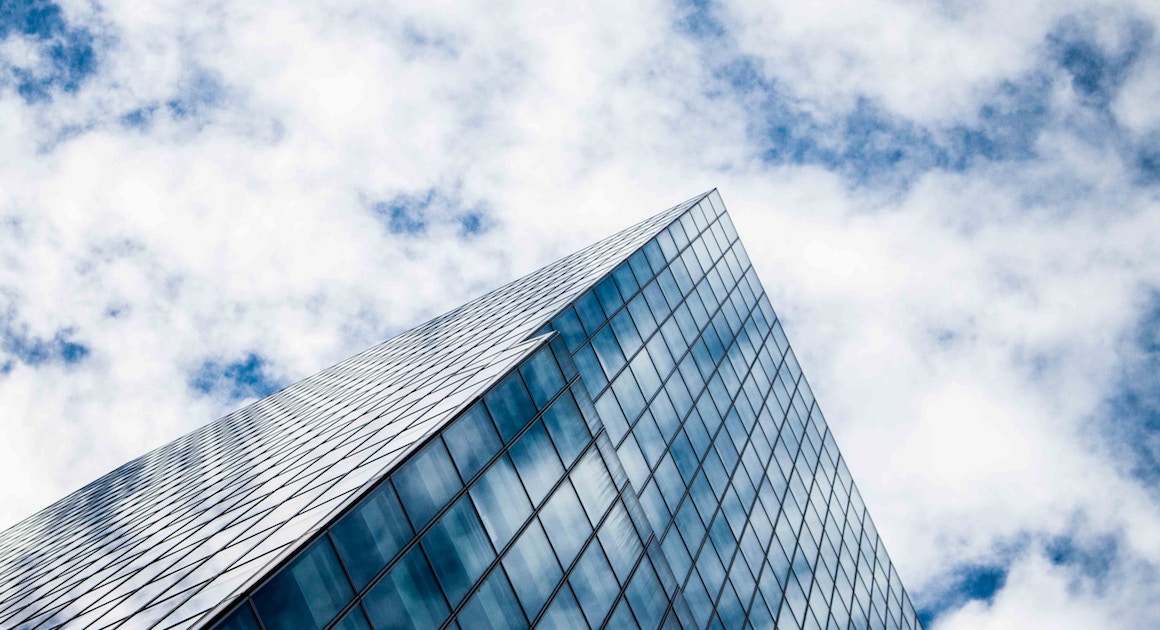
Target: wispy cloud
(953,205)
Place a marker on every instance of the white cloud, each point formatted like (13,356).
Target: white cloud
(962,334)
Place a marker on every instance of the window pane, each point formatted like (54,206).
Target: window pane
(593,484)
(493,607)
(570,329)
(536,461)
(472,440)
(608,351)
(510,405)
(594,585)
(354,620)
(622,618)
(426,483)
(533,568)
(371,534)
(609,295)
(647,598)
(408,598)
(563,612)
(567,427)
(308,593)
(458,549)
(241,619)
(563,517)
(591,315)
(543,377)
(621,544)
(501,501)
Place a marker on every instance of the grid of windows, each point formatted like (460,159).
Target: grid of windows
(170,538)
(516,514)
(723,442)
(623,439)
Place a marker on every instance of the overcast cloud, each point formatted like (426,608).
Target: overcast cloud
(954,206)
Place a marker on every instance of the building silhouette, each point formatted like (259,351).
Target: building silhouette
(621,439)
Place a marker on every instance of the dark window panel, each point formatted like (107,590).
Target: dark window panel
(570,328)
(408,597)
(626,280)
(609,295)
(533,568)
(501,501)
(543,377)
(458,549)
(354,620)
(240,619)
(594,584)
(590,313)
(493,606)
(426,483)
(536,462)
(567,428)
(472,440)
(307,594)
(563,518)
(371,534)
(510,405)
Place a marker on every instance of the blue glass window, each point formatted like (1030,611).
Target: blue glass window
(426,483)
(570,328)
(407,598)
(567,427)
(472,441)
(647,598)
(533,568)
(240,619)
(609,295)
(626,333)
(308,593)
(493,607)
(593,484)
(510,405)
(590,313)
(620,542)
(594,584)
(501,501)
(563,516)
(625,280)
(608,351)
(536,462)
(563,612)
(543,377)
(591,370)
(354,620)
(458,549)
(371,534)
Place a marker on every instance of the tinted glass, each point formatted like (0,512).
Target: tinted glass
(493,606)
(308,594)
(503,505)
(533,568)
(426,483)
(371,534)
(510,405)
(458,549)
(472,441)
(407,598)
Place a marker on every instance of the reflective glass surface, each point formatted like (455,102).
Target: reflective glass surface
(622,439)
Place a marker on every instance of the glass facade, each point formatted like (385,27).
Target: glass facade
(622,439)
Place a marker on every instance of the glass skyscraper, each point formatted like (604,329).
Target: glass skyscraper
(622,439)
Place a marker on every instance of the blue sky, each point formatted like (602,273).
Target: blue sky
(954,207)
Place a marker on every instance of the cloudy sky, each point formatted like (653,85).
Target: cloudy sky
(955,207)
